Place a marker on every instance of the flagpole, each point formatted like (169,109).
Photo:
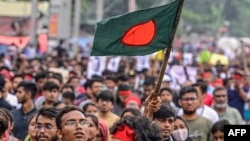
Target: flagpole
(165,59)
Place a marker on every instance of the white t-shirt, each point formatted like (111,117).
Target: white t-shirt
(12,99)
(204,111)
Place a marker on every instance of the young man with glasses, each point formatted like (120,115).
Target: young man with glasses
(199,126)
(72,124)
(46,124)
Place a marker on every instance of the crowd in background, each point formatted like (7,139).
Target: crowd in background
(54,97)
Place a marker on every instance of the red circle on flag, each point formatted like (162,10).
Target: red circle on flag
(140,34)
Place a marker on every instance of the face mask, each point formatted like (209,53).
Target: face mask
(180,134)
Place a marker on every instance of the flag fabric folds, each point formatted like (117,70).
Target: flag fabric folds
(138,33)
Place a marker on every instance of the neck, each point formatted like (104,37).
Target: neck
(104,114)
(28,106)
(220,110)
(190,117)
(48,104)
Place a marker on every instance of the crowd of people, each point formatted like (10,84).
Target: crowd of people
(53,97)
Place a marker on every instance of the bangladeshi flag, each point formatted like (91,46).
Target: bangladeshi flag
(137,33)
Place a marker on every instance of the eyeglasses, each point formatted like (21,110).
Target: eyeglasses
(47,127)
(82,122)
(188,99)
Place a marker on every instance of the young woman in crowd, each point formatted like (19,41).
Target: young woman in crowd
(90,108)
(10,125)
(31,129)
(180,132)
(130,112)
(93,126)
(218,130)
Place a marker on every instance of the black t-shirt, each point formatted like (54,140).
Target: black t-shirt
(5,104)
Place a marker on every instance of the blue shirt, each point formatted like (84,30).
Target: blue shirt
(21,119)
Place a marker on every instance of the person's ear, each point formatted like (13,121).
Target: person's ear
(59,134)
(179,101)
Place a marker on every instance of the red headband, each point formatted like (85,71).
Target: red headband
(238,77)
(124,133)
(135,98)
(125,93)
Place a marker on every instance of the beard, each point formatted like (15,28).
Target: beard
(220,106)
(53,138)
(22,101)
(189,112)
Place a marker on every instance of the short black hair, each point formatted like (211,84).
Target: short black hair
(122,77)
(202,85)
(85,107)
(134,112)
(219,126)
(41,75)
(105,95)
(17,76)
(143,128)
(49,85)
(111,78)
(93,80)
(28,86)
(64,111)
(68,86)
(218,89)
(69,95)
(166,89)
(165,111)
(57,76)
(187,89)
(2,82)
(50,113)
(87,84)
(149,81)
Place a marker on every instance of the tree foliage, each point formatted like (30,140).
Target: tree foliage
(200,16)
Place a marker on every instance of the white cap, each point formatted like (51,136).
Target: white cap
(166,78)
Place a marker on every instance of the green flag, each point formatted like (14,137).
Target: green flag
(138,33)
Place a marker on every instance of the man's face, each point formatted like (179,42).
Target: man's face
(46,128)
(166,126)
(40,83)
(220,99)
(74,127)
(166,96)
(67,101)
(110,84)
(148,89)
(96,88)
(16,81)
(189,103)
(75,82)
(21,95)
(104,105)
(51,96)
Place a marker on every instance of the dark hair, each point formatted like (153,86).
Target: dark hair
(3,122)
(85,107)
(105,95)
(68,86)
(87,84)
(202,85)
(28,86)
(166,89)
(149,81)
(31,117)
(165,111)
(49,85)
(57,76)
(17,76)
(111,78)
(143,128)
(41,75)
(50,113)
(64,111)
(8,114)
(133,111)
(93,80)
(122,77)
(94,119)
(218,89)
(219,126)
(2,82)
(187,89)
(69,95)
(73,77)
